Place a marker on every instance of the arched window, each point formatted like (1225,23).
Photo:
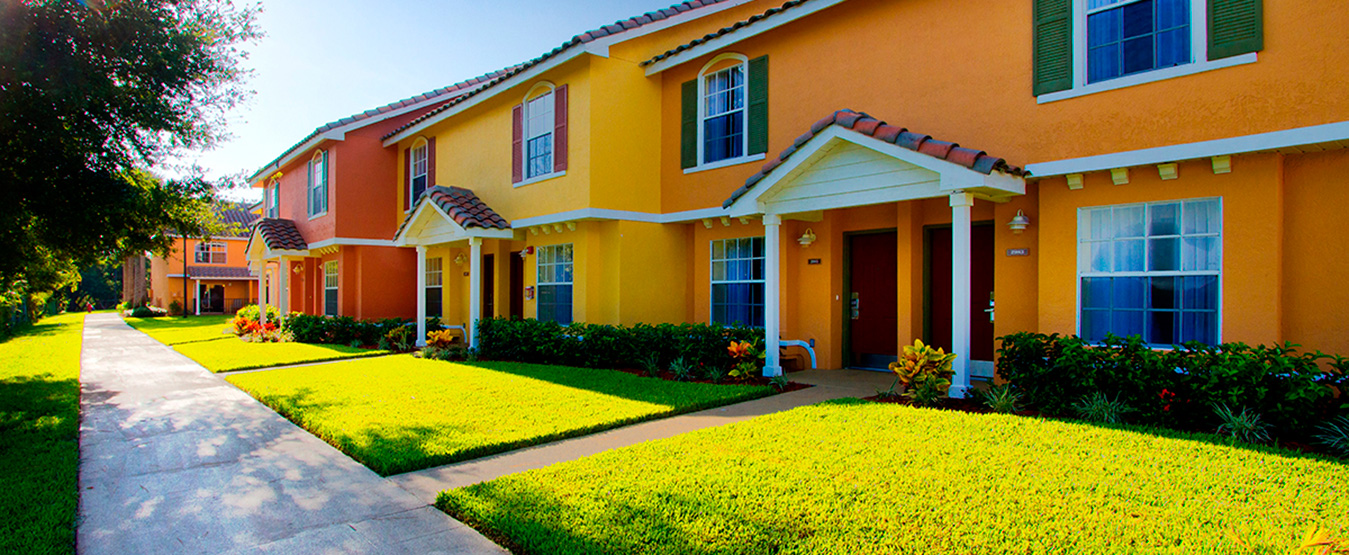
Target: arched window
(540,119)
(418,167)
(272,199)
(318,184)
(723,108)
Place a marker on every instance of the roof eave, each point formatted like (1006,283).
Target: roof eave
(749,31)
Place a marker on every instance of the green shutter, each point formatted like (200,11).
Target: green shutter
(1234,27)
(324,177)
(688,143)
(758,105)
(1053,46)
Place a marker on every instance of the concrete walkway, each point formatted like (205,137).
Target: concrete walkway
(175,460)
(829,384)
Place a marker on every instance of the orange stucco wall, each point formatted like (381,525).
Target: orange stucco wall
(1315,255)
(165,289)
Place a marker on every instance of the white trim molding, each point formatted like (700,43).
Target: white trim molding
(1260,142)
(350,241)
(734,37)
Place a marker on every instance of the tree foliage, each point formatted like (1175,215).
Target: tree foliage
(95,95)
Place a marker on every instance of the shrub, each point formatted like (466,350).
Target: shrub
(250,312)
(780,382)
(1097,407)
(401,338)
(1176,388)
(1002,399)
(447,353)
(604,346)
(1245,427)
(440,339)
(682,370)
(748,358)
(651,364)
(147,312)
(175,308)
(923,372)
(1334,436)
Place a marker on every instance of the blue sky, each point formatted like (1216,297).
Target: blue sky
(322,60)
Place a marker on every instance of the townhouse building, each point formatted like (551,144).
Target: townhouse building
(214,278)
(855,174)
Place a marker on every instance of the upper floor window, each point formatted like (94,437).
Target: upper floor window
(272,200)
(725,113)
(539,122)
(318,184)
(1152,269)
(209,253)
(1130,36)
(417,184)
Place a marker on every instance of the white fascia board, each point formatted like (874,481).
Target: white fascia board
(350,241)
(523,77)
(605,214)
(1259,142)
(600,46)
(401,240)
(733,37)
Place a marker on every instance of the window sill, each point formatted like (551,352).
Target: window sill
(544,177)
(726,163)
(317,216)
(1148,77)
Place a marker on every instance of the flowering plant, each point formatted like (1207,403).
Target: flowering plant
(748,358)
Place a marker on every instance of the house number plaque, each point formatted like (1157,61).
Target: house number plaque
(1018,252)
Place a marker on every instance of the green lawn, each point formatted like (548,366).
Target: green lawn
(39,436)
(177,330)
(396,414)
(232,353)
(856,477)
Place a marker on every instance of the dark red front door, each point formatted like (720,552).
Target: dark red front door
(489,271)
(981,290)
(517,283)
(873,307)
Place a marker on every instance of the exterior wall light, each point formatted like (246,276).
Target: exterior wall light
(1019,222)
(807,238)
(525,252)
(461,259)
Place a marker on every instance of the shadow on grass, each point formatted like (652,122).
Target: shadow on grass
(39,454)
(621,384)
(527,521)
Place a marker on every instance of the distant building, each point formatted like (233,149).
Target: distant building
(218,280)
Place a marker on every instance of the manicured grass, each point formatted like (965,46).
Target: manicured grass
(175,330)
(232,353)
(39,436)
(396,414)
(856,477)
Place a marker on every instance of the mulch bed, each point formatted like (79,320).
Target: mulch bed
(759,380)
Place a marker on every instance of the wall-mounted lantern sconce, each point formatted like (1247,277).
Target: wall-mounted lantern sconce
(525,252)
(297,269)
(461,259)
(806,238)
(1019,222)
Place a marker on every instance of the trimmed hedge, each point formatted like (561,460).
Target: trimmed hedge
(1177,388)
(605,346)
(343,330)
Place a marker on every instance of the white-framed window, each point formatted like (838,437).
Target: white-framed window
(272,200)
(555,283)
(435,280)
(418,179)
(209,253)
(318,184)
(330,288)
(539,123)
(1152,269)
(738,281)
(723,109)
(1125,37)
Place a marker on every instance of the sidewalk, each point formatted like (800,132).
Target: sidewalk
(829,384)
(175,460)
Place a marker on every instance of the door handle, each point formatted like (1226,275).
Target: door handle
(989,310)
(856,305)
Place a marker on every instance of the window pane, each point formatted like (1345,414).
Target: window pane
(1163,219)
(1103,63)
(1128,221)
(1130,293)
(1202,216)
(1138,55)
(1172,13)
(718,250)
(1097,224)
(1095,324)
(566,273)
(1103,28)
(1173,47)
(1129,256)
(1125,323)
(1096,292)
(1164,293)
(1163,328)
(1164,254)
(718,271)
(1137,19)
(1200,253)
(1201,292)
(1199,326)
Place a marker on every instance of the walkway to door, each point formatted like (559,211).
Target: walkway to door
(175,460)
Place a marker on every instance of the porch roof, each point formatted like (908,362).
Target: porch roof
(445,214)
(864,124)
(273,237)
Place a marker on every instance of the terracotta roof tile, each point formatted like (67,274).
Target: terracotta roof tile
(281,235)
(588,36)
(462,205)
(725,31)
(860,122)
(219,272)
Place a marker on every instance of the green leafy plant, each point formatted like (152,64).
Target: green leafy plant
(1334,436)
(651,364)
(450,353)
(714,374)
(748,357)
(1245,426)
(682,370)
(1002,399)
(779,381)
(923,373)
(175,308)
(401,338)
(1097,407)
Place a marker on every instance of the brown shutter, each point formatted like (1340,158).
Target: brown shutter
(517,143)
(430,163)
(407,179)
(560,129)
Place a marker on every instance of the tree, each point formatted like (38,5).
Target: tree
(93,96)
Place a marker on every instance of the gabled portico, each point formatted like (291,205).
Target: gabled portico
(848,160)
(279,240)
(451,216)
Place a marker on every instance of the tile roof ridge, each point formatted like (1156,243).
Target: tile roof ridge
(751,20)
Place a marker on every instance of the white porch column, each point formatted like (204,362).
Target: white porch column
(197,292)
(772,224)
(262,291)
(961,203)
(282,276)
(474,289)
(421,296)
